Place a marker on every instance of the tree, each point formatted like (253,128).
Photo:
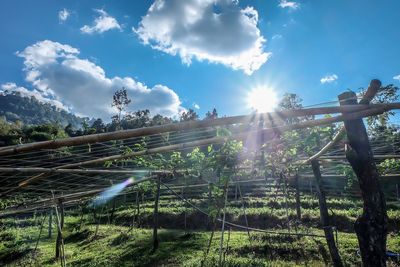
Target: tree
(137,119)
(120,102)
(98,125)
(189,115)
(211,115)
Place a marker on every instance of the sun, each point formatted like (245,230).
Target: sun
(262,99)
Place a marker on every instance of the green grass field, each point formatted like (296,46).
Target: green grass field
(116,244)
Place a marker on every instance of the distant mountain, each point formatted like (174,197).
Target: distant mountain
(29,110)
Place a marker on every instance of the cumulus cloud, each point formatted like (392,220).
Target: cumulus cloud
(219,31)
(102,23)
(397,77)
(196,106)
(329,78)
(58,74)
(289,4)
(63,15)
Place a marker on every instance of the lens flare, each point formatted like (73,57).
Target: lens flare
(111,192)
(262,99)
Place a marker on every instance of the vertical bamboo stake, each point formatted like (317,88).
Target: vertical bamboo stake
(40,234)
(298,203)
(155,214)
(50,222)
(113,206)
(209,220)
(244,211)
(60,223)
(236,191)
(323,209)
(137,209)
(223,227)
(184,212)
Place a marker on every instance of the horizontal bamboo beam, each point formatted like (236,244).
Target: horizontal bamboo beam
(371,111)
(125,134)
(266,132)
(80,171)
(388,156)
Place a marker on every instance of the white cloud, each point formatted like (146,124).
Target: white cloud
(102,23)
(196,106)
(63,15)
(57,73)
(289,4)
(397,77)
(329,78)
(218,31)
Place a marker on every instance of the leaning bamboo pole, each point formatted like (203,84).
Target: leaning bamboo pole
(372,90)
(125,134)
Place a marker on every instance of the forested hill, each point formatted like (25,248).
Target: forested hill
(14,107)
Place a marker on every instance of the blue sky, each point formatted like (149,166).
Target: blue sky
(187,54)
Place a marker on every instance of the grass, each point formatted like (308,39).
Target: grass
(116,245)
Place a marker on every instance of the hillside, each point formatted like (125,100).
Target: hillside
(29,110)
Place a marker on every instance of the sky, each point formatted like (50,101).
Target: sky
(172,55)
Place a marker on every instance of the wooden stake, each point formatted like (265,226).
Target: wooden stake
(184,213)
(298,203)
(50,222)
(155,215)
(323,210)
(371,226)
(40,234)
(223,226)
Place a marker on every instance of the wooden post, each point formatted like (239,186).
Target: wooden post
(298,203)
(113,206)
(50,222)
(59,228)
(371,226)
(155,215)
(137,209)
(184,213)
(209,220)
(323,210)
(40,233)
(236,191)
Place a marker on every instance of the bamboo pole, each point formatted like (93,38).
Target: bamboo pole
(367,98)
(125,134)
(216,140)
(79,171)
(50,222)
(298,203)
(155,215)
(40,234)
(323,209)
